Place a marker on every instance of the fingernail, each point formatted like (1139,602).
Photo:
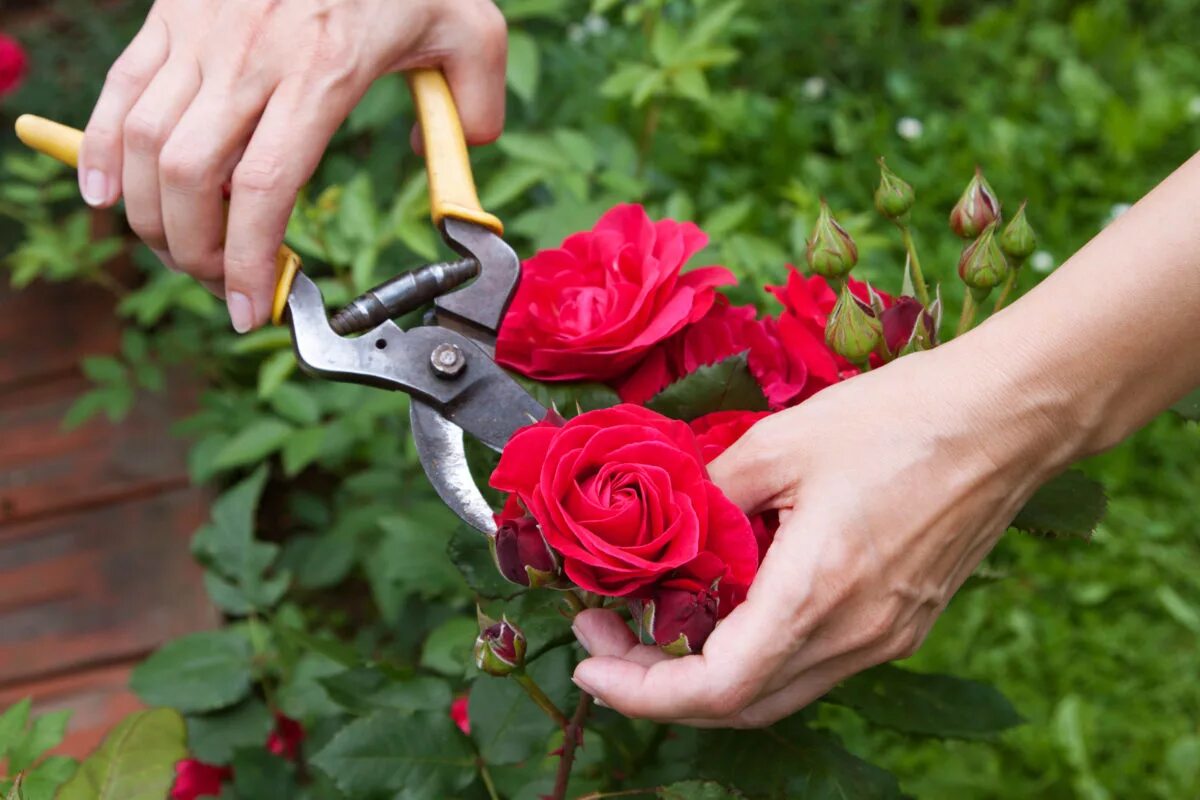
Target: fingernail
(582,637)
(583,686)
(94,187)
(241,312)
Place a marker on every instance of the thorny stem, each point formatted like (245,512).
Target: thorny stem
(914,263)
(538,696)
(571,737)
(1010,283)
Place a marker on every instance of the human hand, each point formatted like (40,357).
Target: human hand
(891,488)
(249,93)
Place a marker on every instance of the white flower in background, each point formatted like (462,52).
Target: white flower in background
(1193,108)
(1117,210)
(595,24)
(910,128)
(1042,261)
(814,88)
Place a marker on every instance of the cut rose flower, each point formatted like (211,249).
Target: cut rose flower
(623,497)
(590,309)
(13,64)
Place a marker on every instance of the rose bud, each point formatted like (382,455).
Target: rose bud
(522,555)
(680,620)
(1018,240)
(907,327)
(982,266)
(500,649)
(853,331)
(831,251)
(894,197)
(976,209)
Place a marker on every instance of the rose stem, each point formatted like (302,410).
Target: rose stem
(573,601)
(969,309)
(571,736)
(538,696)
(488,783)
(914,264)
(1010,283)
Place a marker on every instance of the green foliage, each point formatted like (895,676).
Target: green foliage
(31,775)
(739,116)
(135,762)
(1070,505)
(1189,407)
(725,386)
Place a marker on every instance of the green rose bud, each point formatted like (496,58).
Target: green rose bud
(982,266)
(894,197)
(831,251)
(976,209)
(1018,240)
(853,331)
(500,648)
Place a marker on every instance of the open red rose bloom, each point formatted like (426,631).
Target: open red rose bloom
(618,501)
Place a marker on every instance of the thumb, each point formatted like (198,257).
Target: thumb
(754,471)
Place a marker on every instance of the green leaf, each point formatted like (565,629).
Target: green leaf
(303,448)
(198,673)
(43,782)
(253,443)
(506,725)
(260,775)
(570,398)
(933,705)
(296,403)
(469,551)
(790,759)
(135,762)
(274,370)
(448,650)
(424,754)
(524,65)
(725,386)
(12,725)
(411,559)
(698,790)
(362,690)
(46,733)
(213,738)
(1070,505)
(1189,407)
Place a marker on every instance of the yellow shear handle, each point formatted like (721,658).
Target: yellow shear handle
(451,184)
(62,142)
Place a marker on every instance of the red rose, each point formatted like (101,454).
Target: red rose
(285,740)
(195,779)
(458,713)
(900,321)
(623,496)
(592,308)
(13,64)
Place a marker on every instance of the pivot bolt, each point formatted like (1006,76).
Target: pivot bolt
(448,360)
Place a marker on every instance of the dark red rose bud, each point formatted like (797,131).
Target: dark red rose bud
(680,620)
(976,209)
(522,555)
(285,740)
(500,649)
(901,328)
(195,779)
(13,65)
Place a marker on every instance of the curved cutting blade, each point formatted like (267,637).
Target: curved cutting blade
(440,447)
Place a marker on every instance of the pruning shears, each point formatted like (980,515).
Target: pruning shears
(446,366)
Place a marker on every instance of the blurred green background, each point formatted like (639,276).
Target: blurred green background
(739,116)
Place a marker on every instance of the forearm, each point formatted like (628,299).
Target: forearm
(1107,341)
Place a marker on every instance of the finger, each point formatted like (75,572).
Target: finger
(100,155)
(603,632)
(475,70)
(193,167)
(749,472)
(147,129)
(283,153)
